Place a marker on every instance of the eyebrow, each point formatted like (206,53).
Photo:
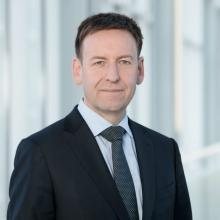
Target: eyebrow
(126,56)
(104,58)
(98,58)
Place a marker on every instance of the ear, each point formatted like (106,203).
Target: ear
(140,76)
(77,71)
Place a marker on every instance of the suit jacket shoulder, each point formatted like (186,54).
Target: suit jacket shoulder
(157,139)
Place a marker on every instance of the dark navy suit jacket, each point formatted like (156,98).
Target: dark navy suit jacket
(60,173)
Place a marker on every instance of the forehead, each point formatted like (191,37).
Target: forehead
(109,42)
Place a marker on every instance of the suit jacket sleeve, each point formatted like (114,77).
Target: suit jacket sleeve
(30,191)
(182,209)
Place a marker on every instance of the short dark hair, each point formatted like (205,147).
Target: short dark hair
(107,21)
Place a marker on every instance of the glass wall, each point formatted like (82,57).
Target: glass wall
(4,99)
(179,96)
(28,97)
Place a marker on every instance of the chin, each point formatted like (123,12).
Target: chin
(112,108)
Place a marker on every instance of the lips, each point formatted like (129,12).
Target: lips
(111,90)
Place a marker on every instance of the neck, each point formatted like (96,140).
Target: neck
(114,117)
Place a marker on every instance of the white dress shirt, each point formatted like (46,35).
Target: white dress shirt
(97,124)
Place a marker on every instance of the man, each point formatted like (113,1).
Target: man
(96,163)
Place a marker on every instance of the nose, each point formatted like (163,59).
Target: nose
(113,73)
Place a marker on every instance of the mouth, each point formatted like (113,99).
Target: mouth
(111,90)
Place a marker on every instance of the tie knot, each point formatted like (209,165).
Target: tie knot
(113,133)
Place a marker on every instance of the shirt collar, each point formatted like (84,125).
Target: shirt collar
(100,123)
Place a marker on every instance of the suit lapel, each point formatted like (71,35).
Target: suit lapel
(86,149)
(145,155)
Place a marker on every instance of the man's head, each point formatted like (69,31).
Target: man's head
(107,21)
(108,65)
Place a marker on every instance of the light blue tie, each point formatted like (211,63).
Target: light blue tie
(122,174)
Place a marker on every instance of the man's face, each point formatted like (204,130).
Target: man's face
(108,70)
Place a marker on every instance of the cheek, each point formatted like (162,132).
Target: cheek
(130,82)
(91,77)
(89,86)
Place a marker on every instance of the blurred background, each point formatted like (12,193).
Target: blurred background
(179,97)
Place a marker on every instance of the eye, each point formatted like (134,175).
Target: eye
(99,63)
(125,62)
